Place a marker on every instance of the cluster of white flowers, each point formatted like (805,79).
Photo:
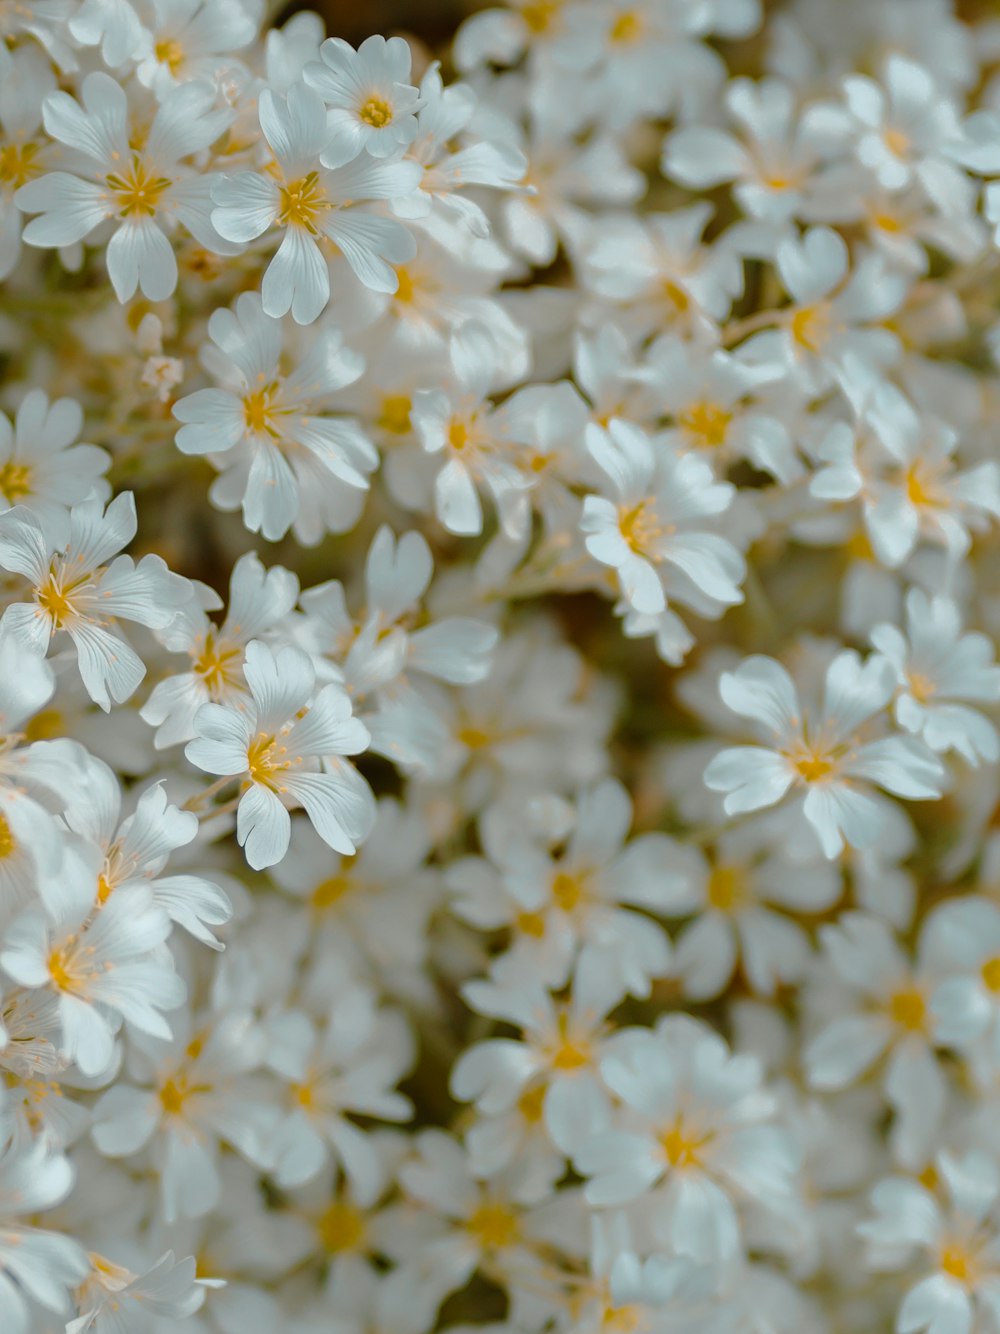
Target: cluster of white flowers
(556,888)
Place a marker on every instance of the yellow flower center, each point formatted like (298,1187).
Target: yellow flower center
(173,1094)
(531,924)
(569,1052)
(64,976)
(991,974)
(266,759)
(395,414)
(955,1261)
(136,191)
(104,888)
(341,1227)
(539,14)
(814,762)
(908,1009)
(640,525)
(727,888)
(812,326)
(626,28)
(302,202)
(682,1146)
(406,287)
(530,1104)
(218,665)
(376,112)
(459,433)
(920,485)
(706,423)
(259,411)
(921,687)
(675,296)
(328,893)
(494,1225)
(8,843)
(897,142)
(55,597)
(169,52)
(568,891)
(17,164)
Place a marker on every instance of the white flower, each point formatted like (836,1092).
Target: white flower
(146,190)
(260,600)
(695,1129)
(287,744)
(938,669)
(102,961)
(37,1266)
(192,40)
(371,103)
(882,1008)
(285,460)
(114,1299)
(955,1238)
(819,753)
(80,586)
(311,203)
(41,468)
(351,1065)
(653,532)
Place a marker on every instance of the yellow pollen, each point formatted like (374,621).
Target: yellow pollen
(8,843)
(627,27)
(15,480)
(301,203)
(568,891)
(54,599)
(812,326)
(530,1104)
(304,1095)
(44,726)
(376,112)
(493,1225)
(194,1048)
(921,687)
(929,1177)
(169,52)
(622,1319)
(569,1052)
(458,433)
(956,1262)
(858,547)
(258,411)
(727,888)
(60,970)
(813,764)
(920,488)
(217,664)
(991,974)
(682,1146)
(675,296)
(341,1227)
(136,192)
(328,893)
(640,525)
(406,288)
(476,738)
(538,14)
(17,164)
(897,142)
(887,222)
(264,759)
(908,1009)
(173,1093)
(707,423)
(395,414)
(104,888)
(531,924)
